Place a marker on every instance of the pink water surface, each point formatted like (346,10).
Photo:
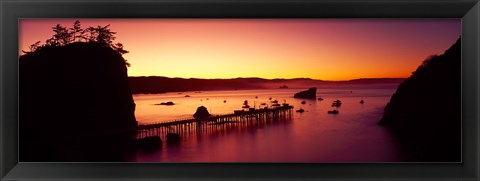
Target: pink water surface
(312,136)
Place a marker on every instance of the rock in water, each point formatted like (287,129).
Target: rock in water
(308,94)
(75,104)
(425,111)
(169,103)
(201,113)
(173,138)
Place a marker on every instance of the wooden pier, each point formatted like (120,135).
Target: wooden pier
(252,117)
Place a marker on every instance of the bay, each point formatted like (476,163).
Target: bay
(311,136)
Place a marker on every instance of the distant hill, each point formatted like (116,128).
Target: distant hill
(157,84)
(425,111)
(69,95)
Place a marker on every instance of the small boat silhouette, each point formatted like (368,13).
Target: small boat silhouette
(224,101)
(361,102)
(285,104)
(187,96)
(275,103)
(303,102)
(337,103)
(333,112)
(300,110)
(320,99)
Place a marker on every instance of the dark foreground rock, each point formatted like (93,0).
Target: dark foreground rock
(308,94)
(149,144)
(425,111)
(75,104)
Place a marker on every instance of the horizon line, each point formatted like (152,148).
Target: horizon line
(270,78)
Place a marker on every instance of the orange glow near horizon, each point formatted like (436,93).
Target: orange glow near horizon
(327,49)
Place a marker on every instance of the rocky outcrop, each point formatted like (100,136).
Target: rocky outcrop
(169,103)
(201,113)
(425,111)
(75,104)
(308,94)
(173,138)
(149,143)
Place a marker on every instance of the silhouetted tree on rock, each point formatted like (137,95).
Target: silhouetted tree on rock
(119,48)
(33,47)
(61,37)
(101,34)
(77,32)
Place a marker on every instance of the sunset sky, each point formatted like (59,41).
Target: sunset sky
(327,49)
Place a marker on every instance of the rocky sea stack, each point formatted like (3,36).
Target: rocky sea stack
(425,111)
(75,104)
(308,94)
(201,113)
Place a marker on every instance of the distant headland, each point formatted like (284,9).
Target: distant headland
(158,84)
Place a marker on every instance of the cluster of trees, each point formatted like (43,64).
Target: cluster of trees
(63,36)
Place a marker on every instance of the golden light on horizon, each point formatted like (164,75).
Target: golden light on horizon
(326,49)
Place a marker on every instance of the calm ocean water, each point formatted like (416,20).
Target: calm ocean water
(311,136)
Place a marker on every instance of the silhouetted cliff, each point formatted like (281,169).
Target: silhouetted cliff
(425,111)
(75,104)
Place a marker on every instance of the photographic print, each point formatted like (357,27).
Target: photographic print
(240,90)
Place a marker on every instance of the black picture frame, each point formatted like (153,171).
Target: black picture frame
(11,11)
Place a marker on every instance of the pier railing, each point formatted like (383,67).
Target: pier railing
(189,125)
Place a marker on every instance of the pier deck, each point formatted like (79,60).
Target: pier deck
(192,124)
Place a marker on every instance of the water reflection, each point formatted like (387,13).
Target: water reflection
(311,136)
(223,125)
